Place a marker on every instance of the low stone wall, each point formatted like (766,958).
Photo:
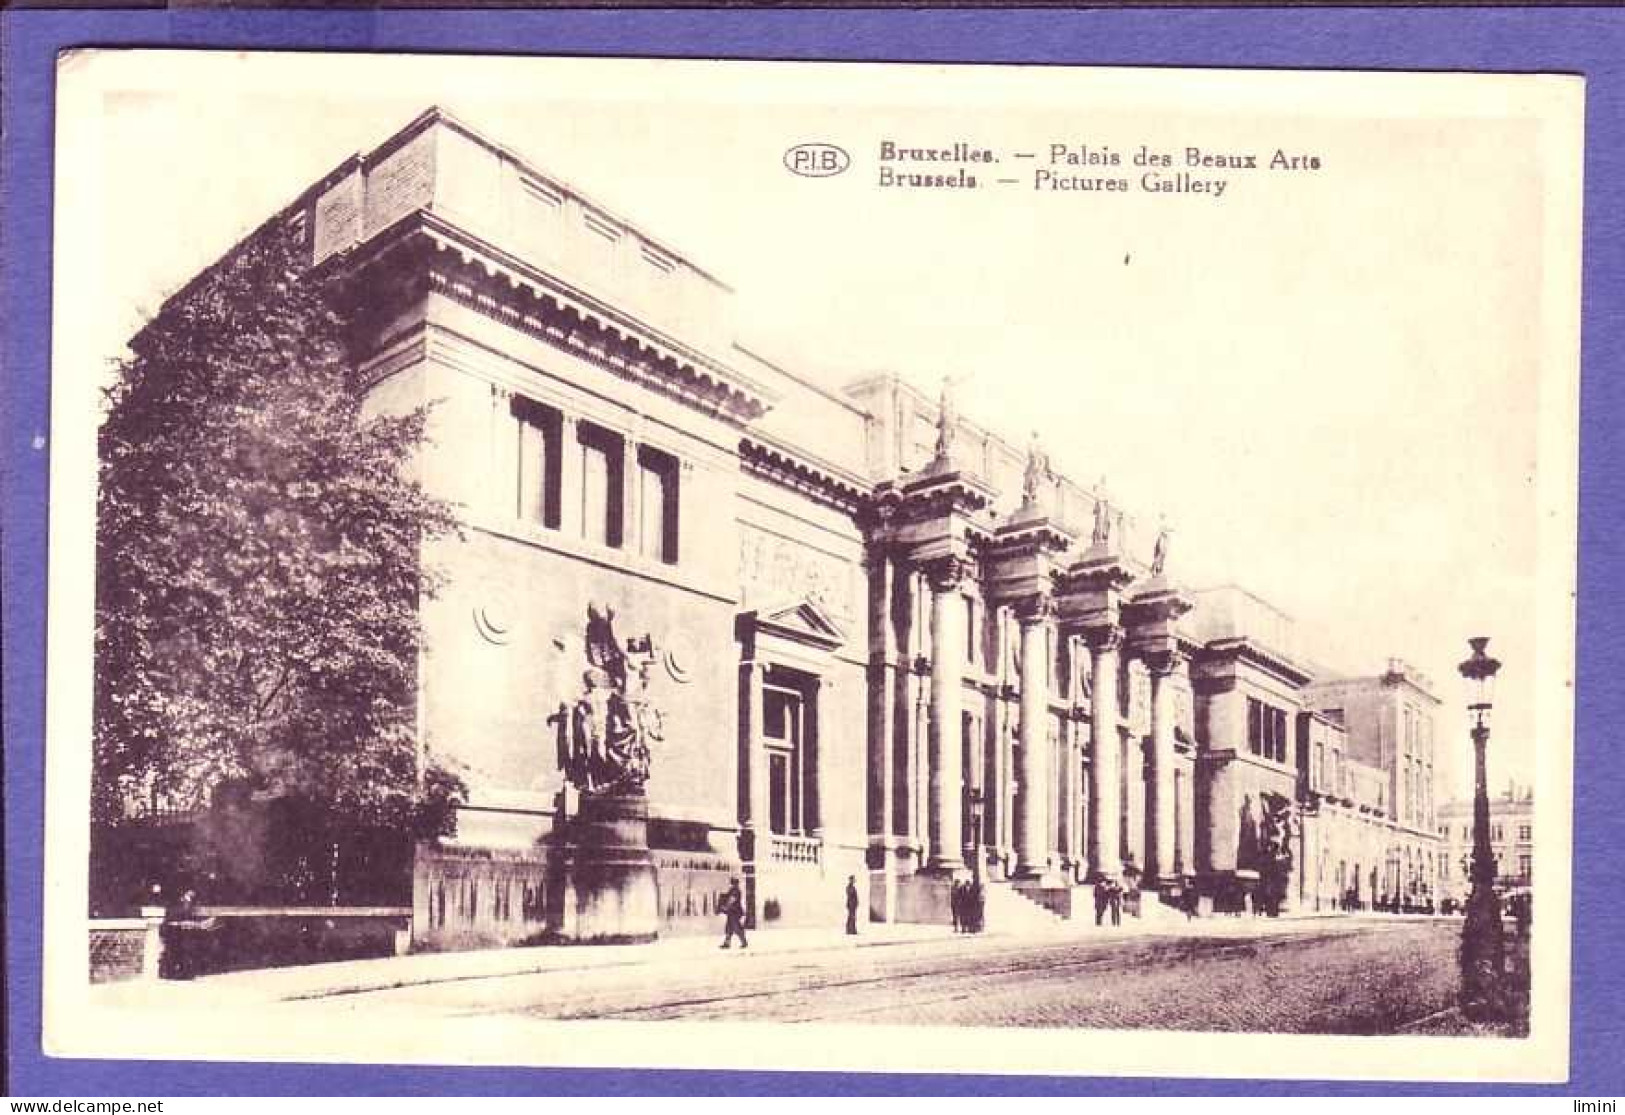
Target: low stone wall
(924,900)
(213,939)
(468,898)
(124,948)
(690,883)
(812,894)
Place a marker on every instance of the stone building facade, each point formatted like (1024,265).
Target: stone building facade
(890,644)
(1512,842)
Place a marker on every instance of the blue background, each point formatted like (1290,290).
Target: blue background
(1589,42)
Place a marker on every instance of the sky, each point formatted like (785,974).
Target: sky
(1327,380)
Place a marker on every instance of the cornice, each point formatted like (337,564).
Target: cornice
(802,473)
(459,265)
(1220,650)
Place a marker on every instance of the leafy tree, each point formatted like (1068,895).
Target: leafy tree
(259,561)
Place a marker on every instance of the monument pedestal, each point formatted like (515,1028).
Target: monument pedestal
(606,892)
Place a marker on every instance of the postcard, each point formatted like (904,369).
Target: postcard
(564,561)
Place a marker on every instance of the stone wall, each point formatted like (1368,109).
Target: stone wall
(119,949)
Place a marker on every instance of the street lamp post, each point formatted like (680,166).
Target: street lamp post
(975,801)
(1482,949)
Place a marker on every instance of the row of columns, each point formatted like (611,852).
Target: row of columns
(1033,812)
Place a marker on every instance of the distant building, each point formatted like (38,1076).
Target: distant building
(1512,841)
(886,642)
(1369,747)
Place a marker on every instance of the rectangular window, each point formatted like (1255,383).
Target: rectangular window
(1525,832)
(970,628)
(540,455)
(1525,865)
(783,726)
(602,486)
(1061,656)
(657,505)
(1278,730)
(1320,766)
(1255,727)
(778,792)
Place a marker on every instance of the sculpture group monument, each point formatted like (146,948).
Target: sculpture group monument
(605,889)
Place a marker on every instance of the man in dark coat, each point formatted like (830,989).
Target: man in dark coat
(852,905)
(733,910)
(956,906)
(1102,899)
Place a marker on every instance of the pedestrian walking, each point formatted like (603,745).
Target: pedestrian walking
(1114,898)
(852,905)
(977,900)
(956,906)
(1102,899)
(733,912)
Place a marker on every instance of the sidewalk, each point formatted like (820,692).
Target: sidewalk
(310,981)
(313,981)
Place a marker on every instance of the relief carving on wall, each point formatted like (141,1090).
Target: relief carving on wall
(772,569)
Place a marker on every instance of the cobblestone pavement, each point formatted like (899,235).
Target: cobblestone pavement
(1329,976)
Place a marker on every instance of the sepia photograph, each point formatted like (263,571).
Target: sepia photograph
(867,567)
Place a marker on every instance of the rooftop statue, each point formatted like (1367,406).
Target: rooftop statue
(1159,556)
(1038,472)
(1103,516)
(604,738)
(946,420)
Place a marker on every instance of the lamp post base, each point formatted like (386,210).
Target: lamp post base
(1483,958)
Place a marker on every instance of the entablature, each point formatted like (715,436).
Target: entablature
(423,253)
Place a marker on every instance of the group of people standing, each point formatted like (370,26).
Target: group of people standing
(968,905)
(1109,900)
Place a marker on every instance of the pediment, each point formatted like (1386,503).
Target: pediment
(803,622)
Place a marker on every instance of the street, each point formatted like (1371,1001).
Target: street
(1331,976)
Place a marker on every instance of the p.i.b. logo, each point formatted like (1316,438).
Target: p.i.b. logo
(816,160)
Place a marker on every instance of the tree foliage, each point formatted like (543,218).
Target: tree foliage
(259,560)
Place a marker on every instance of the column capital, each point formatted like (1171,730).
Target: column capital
(946,573)
(1037,608)
(1165,663)
(1102,640)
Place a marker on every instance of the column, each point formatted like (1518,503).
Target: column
(1187,824)
(1160,848)
(755,842)
(817,818)
(502,492)
(1105,802)
(631,498)
(882,661)
(1076,793)
(1065,778)
(944,824)
(1000,798)
(1032,806)
(570,478)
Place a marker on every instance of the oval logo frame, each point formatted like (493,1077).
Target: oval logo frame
(817,160)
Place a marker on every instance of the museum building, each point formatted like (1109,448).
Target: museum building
(882,642)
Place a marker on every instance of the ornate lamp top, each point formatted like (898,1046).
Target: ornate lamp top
(1480,671)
